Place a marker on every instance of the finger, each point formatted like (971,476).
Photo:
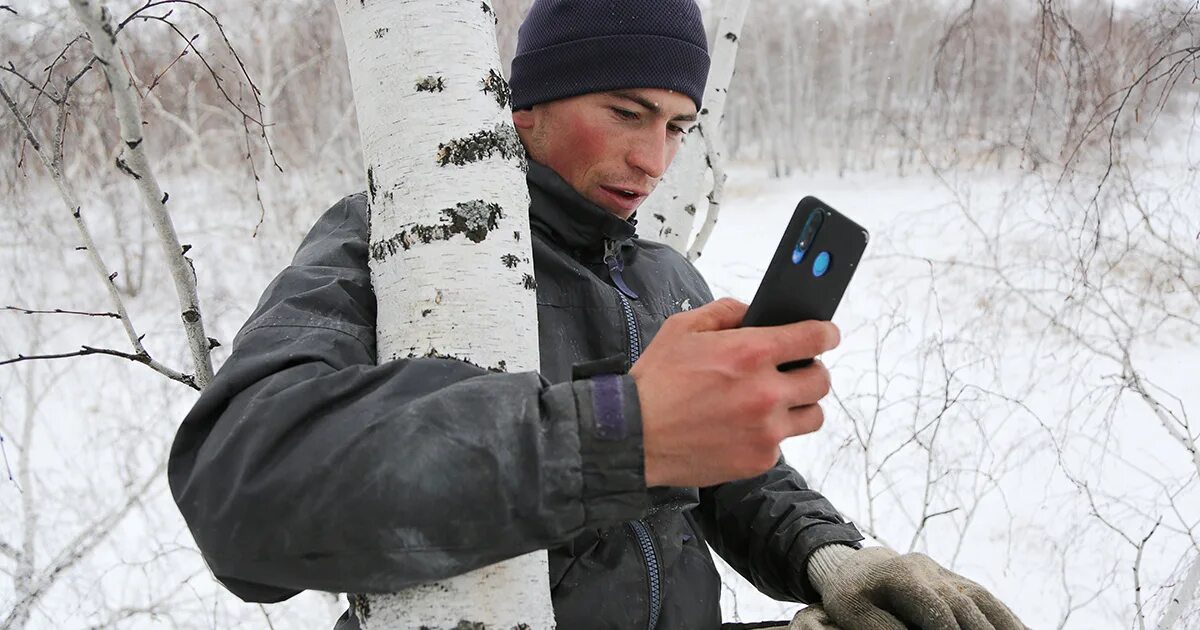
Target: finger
(804,420)
(867,617)
(801,340)
(966,613)
(812,618)
(722,314)
(921,606)
(806,385)
(1000,616)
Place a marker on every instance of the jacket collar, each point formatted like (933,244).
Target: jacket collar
(570,219)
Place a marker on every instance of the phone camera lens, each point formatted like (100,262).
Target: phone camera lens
(821,264)
(811,225)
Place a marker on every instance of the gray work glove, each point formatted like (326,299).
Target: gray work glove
(812,618)
(877,589)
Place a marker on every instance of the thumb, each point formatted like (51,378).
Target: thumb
(722,314)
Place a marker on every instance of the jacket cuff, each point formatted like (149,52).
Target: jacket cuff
(612,459)
(829,537)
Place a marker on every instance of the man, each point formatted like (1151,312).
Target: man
(648,433)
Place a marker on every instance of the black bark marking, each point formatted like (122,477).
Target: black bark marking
(431,84)
(473,219)
(213,343)
(495,84)
(371,182)
(502,140)
(661,218)
(360,606)
(433,353)
(517,236)
(731,36)
(510,260)
(190,316)
(133,144)
(112,276)
(124,168)
(426,312)
(166,196)
(529,282)
(77,211)
(184,248)
(703,111)
(487,9)
(690,209)
(380,32)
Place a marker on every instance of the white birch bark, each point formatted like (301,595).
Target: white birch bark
(451,259)
(132,160)
(669,214)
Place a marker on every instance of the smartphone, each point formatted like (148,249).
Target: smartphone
(810,270)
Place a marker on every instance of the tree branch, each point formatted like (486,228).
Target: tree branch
(99,25)
(84,351)
(59,310)
(89,245)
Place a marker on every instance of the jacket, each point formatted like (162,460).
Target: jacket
(305,465)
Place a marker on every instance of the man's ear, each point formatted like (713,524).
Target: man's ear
(524,118)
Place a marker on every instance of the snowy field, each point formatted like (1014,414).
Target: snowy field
(963,423)
(965,412)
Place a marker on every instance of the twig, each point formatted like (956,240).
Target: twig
(7,466)
(84,351)
(88,538)
(59,310)
(89,245)
(98,22)
(261,119)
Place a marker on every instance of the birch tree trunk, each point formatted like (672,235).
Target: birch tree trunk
(451,260)
(669,214)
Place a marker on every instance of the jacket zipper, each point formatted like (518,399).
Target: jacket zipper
(640,529)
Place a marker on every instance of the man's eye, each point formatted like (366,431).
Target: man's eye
(624,113)
(677,130)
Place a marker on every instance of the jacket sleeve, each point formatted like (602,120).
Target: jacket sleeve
(304,465)
(766,527)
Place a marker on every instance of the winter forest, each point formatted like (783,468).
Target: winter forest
(1021,344)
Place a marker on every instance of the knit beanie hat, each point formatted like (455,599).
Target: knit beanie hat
(572,47)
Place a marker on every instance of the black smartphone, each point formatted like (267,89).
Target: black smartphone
(810,270)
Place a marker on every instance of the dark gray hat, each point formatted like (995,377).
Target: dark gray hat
(572,47)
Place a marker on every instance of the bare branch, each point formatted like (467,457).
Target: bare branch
(98,22)
(9,550)
(78,548)
(84,351)
(68,196)
(59,310)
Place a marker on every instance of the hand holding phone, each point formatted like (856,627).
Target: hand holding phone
(810,270)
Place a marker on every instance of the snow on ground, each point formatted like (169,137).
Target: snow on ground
(916,333)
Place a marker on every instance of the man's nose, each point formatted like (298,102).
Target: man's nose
(650,154)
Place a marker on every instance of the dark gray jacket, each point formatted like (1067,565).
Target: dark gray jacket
(304,465)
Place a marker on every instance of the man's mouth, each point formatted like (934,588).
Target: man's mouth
(627,199)
(628,193)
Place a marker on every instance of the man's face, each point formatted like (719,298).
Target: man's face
(609,144)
